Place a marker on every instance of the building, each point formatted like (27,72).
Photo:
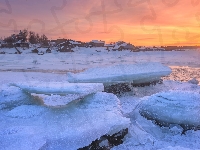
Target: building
(96,43)
(65,49)
(76,43)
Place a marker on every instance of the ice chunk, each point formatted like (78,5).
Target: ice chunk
(71,127)
(175,129)
(13,96)
(136,73)
(173,107)
(88,120)
(60,88)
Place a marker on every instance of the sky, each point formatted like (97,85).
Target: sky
(140,22)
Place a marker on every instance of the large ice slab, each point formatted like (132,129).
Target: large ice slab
(136,73)
(71,127)
(60,88)
(173,107)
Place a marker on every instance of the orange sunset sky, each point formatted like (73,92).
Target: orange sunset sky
(141,22)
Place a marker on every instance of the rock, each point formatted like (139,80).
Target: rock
(194,81)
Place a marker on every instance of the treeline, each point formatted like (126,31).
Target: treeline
(27,36)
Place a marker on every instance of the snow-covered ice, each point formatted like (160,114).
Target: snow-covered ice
(72,127)
(26,111)
(136,73)
(144,134)
(13,96)
(60,87)
(173,107)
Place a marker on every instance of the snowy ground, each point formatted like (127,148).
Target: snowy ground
(84,58)
(38,127)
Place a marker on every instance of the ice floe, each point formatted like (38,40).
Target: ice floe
(136,73)
(60,88)
(173,107)
(13,96)
(72,127)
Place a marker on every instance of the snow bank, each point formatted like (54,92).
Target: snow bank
(60,88)
(173,107)
(136,73)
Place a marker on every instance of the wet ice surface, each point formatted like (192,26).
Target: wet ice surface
(76,125)
(183,73)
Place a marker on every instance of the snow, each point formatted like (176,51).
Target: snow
(21,138)
(86,58)
(60,87)
(26,111)
(136,73)
(174,148)
(173,107)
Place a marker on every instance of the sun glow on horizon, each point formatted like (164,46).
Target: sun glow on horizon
(147,22)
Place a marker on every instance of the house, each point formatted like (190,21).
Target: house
(124,46)
(87,44)
(58,41)
(75,43)
(109,45)
(65,43)
(96,43)
(65,49)
(128,47)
